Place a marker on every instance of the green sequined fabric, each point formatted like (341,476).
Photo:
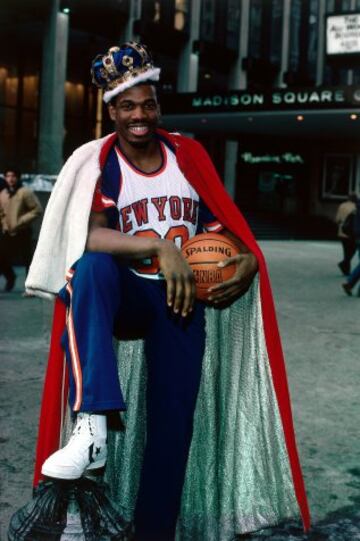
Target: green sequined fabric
(238,476)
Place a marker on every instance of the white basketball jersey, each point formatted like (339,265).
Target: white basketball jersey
(159,204)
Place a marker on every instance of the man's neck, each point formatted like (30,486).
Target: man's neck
(13,189)
(147,157)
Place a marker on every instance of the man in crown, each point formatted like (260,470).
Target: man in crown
(121,209)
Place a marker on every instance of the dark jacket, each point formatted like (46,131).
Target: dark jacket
(357,222)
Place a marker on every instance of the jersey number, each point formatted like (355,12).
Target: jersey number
(178,234)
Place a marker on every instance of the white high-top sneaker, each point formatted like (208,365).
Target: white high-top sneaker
(86,449)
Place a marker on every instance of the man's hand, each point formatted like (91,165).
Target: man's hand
(179,278)
(224,294)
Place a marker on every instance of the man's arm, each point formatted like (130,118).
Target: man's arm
(179,278)
(339,215)
(246,268)
(3,224)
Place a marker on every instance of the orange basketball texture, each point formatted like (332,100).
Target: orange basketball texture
(203,253)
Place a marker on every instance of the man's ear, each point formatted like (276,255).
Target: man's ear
(112,111)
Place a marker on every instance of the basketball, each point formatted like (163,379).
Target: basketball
(203,253)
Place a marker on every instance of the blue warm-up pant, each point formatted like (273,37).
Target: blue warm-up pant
(103,294)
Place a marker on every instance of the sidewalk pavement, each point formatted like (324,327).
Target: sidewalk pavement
(320,327)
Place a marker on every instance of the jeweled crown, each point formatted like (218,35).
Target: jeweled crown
(123,67)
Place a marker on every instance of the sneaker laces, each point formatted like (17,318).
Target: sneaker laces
(79,424)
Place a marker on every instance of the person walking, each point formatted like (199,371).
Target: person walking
(348,243)
(3,184)
(354,276)
(19,207)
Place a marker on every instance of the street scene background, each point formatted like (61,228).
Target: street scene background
(321,338)
(271,89)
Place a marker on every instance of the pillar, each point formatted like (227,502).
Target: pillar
(350,73)
(134,15)
(285,42)
(231,153)
(237,81)
(357,174)
(320,60)
(189,61)
(238,76)
(52,94)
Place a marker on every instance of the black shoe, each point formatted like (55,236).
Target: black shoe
(345,269)
(347,288)
(10,282)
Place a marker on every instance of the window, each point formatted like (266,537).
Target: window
(313,37)
(170,13)
(8,129)
(208,18)
(264,42)
(233,24)
(157,12)
(9,85)
(346,5)
(276,26)
(18,115)
(265,29)
(303,41)
(337,176)
(80,114)
(220,23)
(181,14)
(295,25)
(30,89)
(74,94)
(330,6)
(255,29)
(356,80)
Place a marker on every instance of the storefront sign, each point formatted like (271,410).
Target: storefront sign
(276,100)
(343,34)
(287,157)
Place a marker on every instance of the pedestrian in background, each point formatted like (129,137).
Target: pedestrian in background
(354,277)
(3,184)
(19,207)
(348,242)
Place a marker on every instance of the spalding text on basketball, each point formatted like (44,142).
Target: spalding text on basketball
(207,249)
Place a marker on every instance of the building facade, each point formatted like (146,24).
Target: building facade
(271,87)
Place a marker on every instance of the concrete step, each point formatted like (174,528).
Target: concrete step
(275,227)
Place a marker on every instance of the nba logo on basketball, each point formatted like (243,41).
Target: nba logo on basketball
(203,253)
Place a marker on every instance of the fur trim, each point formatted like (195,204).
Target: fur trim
(150,75)
(63,233)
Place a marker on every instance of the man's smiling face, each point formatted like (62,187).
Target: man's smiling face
(135,113)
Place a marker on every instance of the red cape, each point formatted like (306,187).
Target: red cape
(199,170)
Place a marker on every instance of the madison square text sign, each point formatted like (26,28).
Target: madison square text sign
(279,99)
